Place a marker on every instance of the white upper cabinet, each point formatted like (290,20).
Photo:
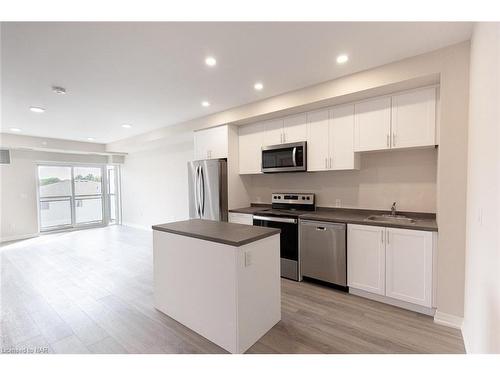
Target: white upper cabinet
(409,265)
(372,124)
(341,138)
(251,138)
(414,118)
(335,135)
(211,143)
(273,132)
(294,128)
(317,141)
(366,258)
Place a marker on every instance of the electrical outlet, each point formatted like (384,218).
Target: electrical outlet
(338,203)
(248,258)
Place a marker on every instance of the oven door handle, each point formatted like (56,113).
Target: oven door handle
(275,219)
(294,156)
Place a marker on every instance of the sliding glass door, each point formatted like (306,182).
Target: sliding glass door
(56,196)
(77,196)
(113,194)
(88,195)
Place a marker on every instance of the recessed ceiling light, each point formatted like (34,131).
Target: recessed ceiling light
(341,59)
(210,61)
(126,126)
(37,109)
(15,129)
(90,139)
(205,103)
(258,86)
(59,90)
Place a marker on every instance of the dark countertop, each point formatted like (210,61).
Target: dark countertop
(423,221)
(217,231)
(252,209)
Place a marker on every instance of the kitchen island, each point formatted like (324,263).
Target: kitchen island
(222,280)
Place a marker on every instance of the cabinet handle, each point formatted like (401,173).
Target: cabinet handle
(393,139)
(326,163)
(388,144)
(382,236)
(388,241)
(284,137)
(331,162)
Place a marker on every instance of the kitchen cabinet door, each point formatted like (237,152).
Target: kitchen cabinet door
(211,143)
(250,138)
(341,138)
(273,132)
(201,142)
(372,124)
(295,128)
(409,265)
(366,258)
(414,118)
(317,141)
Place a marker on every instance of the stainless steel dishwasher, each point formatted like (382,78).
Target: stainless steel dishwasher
(323,251)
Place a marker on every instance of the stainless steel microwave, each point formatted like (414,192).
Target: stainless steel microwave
(288,157)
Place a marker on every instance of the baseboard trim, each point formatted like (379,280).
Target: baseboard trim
(18,237)
(391,301)
(448,320)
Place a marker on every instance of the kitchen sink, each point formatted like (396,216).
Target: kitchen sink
(396,219)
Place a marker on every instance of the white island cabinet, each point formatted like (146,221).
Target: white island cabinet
(222,280)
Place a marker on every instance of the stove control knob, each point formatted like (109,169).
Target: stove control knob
(303,198)
(308,198)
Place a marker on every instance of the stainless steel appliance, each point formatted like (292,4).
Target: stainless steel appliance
(323,251)
(288,157)
(208,189)
(284,214)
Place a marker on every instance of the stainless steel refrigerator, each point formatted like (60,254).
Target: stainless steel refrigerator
(208,189)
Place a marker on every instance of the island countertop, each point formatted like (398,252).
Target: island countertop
(217,231)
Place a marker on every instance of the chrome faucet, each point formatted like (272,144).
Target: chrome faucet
(393,209)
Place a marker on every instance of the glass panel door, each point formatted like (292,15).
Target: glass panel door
(113,194)
(88,195)
(56,194)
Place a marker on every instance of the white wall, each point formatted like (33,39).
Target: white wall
(18,196)
(407,177)
(155,185)
(481,327)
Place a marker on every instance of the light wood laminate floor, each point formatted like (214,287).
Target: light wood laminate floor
(91,291)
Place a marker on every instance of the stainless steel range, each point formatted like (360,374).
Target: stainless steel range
(284,214)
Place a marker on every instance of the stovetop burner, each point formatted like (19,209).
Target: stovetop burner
(283,212)
(290,204)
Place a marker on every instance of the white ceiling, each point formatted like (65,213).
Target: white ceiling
(152,75)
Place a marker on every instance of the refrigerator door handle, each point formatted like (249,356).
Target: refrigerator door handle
(196,192)
(202,203)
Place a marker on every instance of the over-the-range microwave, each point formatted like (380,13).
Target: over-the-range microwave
(288,157)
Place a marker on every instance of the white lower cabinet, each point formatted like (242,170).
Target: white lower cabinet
(408,255)
(239,218)
(366,258)
(392,262)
